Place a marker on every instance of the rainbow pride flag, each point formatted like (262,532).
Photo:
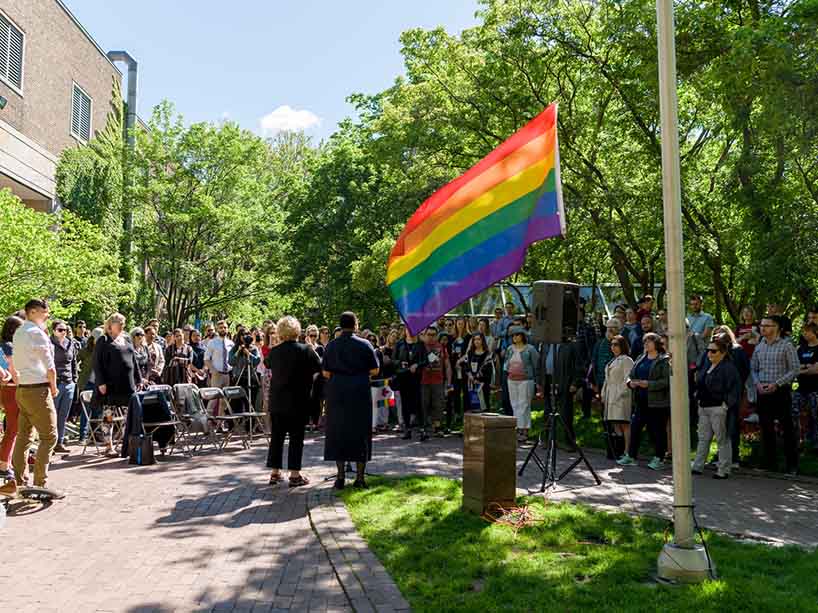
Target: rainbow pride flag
(476,230)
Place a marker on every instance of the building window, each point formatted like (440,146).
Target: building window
(80,114)
(11,53)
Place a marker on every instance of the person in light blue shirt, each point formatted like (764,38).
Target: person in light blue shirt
(701,323)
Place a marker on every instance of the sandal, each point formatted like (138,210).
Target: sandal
(298,481)
(275,480)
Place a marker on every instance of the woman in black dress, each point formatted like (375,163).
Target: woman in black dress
(348,363)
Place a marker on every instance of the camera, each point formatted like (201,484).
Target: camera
(247,340)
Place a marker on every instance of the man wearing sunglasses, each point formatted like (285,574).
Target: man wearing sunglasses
(66,366)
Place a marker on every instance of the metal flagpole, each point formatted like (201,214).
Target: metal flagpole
(682,560)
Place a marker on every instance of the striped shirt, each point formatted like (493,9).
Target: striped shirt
(775,362)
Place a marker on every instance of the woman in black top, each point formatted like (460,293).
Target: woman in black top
(410,358)
(807,392)
(178,360)
(458,347)
(197,359)
(478,368)
(718,390)
(292,367)
(141,353)
(116,375)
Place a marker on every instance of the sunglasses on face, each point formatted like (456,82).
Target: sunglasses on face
(711,350)
(615,345)
(313,336)
(59,330)
(138,335)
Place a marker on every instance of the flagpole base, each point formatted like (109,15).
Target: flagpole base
(683,565)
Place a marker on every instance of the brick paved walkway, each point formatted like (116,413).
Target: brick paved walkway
(201,534)
(209,534)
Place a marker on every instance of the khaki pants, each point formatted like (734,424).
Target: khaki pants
(37,412)
(220,380)
(713,424)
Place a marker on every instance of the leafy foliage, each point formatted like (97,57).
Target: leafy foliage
(206,225)
(62,257)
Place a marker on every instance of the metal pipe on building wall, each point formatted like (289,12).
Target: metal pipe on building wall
(130,125)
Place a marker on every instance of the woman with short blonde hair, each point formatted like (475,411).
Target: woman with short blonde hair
(114,319)
(292,367)
(288,328)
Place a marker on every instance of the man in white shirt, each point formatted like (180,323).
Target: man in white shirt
(36,380)
(216,360)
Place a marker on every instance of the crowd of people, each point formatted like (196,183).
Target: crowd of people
(422,385)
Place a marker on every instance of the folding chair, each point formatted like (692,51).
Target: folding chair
(225,424)
(245,418)
(152,397)
(191,411)
(107,425)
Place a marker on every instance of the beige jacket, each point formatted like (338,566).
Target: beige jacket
(616,396)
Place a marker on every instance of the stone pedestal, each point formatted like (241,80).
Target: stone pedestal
(489,461)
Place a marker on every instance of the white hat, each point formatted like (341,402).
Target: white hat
(613,323)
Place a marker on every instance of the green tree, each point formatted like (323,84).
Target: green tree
(57,256)
(206,223)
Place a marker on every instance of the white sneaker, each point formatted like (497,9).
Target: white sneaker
(751,419)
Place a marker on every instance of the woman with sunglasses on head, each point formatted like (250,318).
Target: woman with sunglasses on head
(66,365)
(650,381)
(522,368)
(140,354)
(718,390)
(616,396)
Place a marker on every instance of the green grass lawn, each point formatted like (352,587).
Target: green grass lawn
(576,559)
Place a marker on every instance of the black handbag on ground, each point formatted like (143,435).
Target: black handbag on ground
(140,450)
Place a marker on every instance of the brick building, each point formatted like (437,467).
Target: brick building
(57,83)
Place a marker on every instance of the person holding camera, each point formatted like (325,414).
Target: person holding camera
(244,359)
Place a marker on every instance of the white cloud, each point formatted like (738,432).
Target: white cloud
(288,119)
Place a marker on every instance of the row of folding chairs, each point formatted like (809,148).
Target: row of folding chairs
(199,417)
(232,415)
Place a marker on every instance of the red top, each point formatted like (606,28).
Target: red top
(433,373)
(742,329)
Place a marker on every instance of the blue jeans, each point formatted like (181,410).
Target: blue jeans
(63,403)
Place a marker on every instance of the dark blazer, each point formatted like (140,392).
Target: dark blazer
(115,367)
(292,366)
(568,367)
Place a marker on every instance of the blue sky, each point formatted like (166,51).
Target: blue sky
(266,64)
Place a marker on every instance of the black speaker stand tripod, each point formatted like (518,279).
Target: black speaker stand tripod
(548,439)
